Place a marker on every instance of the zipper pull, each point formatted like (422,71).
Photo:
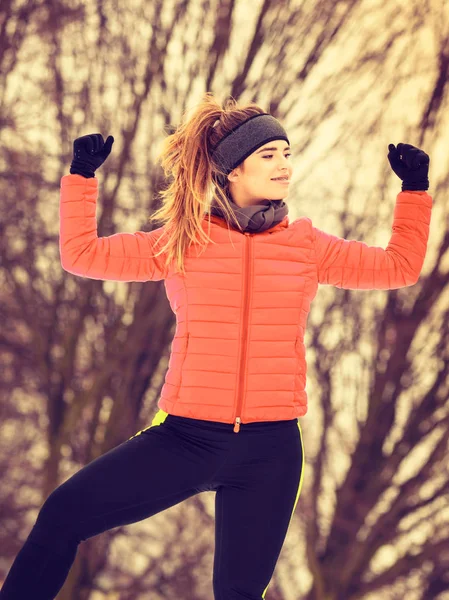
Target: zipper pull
(237,425)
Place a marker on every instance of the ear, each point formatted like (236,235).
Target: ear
(234,174)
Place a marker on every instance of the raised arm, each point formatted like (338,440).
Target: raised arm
(354,265)
(118,257)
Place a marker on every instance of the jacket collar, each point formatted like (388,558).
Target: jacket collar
(221,222)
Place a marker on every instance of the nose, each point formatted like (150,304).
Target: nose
(285,166)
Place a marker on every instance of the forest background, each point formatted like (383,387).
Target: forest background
(83,361)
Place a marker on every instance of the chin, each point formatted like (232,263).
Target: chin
(279,196)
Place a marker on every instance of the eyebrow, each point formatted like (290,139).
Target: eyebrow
(271,148)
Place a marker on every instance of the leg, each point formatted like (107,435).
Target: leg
(253,515)
(141,477)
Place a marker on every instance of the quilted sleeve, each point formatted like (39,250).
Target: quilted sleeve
(354,265)
(118,257)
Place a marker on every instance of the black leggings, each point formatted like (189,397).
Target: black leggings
(256,473)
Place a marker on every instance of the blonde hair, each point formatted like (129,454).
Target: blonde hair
(197,179)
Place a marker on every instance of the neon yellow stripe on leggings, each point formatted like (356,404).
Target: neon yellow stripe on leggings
(299,488)
(158,419)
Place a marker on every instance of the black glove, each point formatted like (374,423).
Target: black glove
(89,153)
(411,165)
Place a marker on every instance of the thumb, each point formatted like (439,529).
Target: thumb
(391,147)
(108,143)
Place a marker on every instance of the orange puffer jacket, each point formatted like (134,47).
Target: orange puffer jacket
(238,354)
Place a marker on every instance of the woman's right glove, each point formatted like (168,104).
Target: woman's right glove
(89,153)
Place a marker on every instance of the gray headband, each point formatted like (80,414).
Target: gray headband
(245,139)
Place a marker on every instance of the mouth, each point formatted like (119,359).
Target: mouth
(284,181)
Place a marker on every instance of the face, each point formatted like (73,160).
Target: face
(253,181)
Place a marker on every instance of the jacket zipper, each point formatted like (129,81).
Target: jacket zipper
(245,332)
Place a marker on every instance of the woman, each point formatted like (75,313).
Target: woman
(235,386)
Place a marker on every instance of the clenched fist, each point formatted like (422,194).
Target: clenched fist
(89,153)
(411,165)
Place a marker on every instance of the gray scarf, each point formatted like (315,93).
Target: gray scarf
(255,218)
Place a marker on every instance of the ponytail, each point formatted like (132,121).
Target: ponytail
(197,180)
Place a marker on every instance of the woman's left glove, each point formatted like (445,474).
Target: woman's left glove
(411,165)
